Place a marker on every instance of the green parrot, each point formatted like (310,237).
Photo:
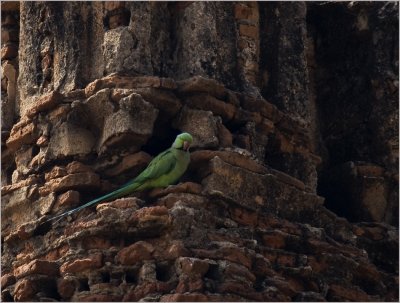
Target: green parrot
(163,170)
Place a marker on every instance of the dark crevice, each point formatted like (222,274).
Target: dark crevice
(83,284)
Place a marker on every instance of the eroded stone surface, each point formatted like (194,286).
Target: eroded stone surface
(246,222)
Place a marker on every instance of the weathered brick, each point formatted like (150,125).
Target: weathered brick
(66,287)
(70,198)
(74,181)
(42,267)
(192,266)
(134,253)
(188,297)
(150,215)
(44,103)
(341,293)
(79,265)
(7,280)
(24,132)
(207,102)
(25,289)
(112,5)
(249,31)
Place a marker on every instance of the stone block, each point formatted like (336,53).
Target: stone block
(117,49)
(98,106)
(70,140)
(133,123)
(202,125)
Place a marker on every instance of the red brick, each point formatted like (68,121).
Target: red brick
(244,12)
(274,240)
(42,267)
(146,289)
(74,181)
(239,288)
(56,254)
(153,215)
(122,203)
(207,102)
(188,297)
(193,266)
(7,280)
(172,252)
(24,290)
(77,167)
(237,255)
(83,297)
(70,198)
(24,132)
(45,102)
(189,285)
(134,253)
(65,288)
(96,243)
(341,293)
(248,31)
(244,217)
(79,265)
(10,5)
(233,271)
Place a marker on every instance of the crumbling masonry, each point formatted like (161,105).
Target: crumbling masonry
(292,190)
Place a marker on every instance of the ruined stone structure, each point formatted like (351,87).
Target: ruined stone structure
(292,190)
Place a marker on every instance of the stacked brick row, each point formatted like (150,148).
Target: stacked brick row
(234,230)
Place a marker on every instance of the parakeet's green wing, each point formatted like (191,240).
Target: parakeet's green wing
(160,165)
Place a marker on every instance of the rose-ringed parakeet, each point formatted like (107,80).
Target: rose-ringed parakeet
(163,170)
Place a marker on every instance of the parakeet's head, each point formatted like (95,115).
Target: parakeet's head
(183,141)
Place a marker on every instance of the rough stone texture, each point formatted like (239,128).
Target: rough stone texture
(292,108)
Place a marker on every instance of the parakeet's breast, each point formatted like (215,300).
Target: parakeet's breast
(183,160)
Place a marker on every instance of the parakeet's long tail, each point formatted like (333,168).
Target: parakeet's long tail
(127,189)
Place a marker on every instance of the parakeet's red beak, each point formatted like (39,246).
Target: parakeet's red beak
(186,145)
